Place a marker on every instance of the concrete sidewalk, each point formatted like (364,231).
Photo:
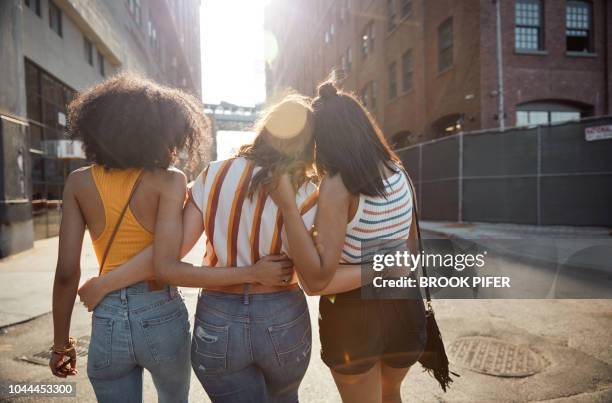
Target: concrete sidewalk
(30,278)
(536,244)
(27,280)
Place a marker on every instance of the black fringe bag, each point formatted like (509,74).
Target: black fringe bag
(434,358)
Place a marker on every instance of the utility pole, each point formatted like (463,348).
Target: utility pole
(500,69)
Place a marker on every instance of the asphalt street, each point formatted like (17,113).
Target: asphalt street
(553,350)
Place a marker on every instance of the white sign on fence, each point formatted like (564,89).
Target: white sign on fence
(598,133)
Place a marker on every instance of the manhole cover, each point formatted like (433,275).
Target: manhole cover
(42,357)
(495,357)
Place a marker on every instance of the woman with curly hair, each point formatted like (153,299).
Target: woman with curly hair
(251,342)
(132,130)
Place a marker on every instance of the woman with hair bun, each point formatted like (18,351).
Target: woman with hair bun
(365,197)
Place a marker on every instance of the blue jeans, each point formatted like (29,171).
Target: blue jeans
(135,328)
(251,348)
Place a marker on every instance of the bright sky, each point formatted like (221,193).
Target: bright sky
(228,142)
(233,51)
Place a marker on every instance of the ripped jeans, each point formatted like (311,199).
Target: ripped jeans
(251,348)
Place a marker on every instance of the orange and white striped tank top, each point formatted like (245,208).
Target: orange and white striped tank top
(240,230)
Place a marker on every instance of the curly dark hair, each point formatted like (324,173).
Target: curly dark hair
(128,121)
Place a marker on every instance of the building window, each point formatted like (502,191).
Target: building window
(579,31)
(46,99)
(367,40)
(368,95)
(33,5)
(448,124)
(89,54)
(391,14)
(374,95)
(55,18)
(528,21)
(445,45)
(346,61)
(407,70)
(343,6)
(135,10)
(153,41)
(392,80)
(101,64)
(406,8)
(401,139)
(349,59)
(543,113)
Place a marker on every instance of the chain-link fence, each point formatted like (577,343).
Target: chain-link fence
(544,175)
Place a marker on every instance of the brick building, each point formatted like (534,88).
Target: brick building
(50,50)
(430,68)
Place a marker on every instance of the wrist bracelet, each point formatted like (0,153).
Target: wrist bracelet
(68,347)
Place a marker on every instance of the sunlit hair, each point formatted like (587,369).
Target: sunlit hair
(349,142)
(283,144)
(128,121)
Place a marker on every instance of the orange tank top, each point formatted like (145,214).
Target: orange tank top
(114,187)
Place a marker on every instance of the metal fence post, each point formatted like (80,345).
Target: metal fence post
(460,181)
(538,175)
(420,179)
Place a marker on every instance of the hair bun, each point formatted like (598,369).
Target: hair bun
(327,90)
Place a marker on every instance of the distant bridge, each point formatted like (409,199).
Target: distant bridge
(231,117)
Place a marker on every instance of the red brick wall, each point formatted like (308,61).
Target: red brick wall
(446,91)
(469,87)
(552,75)
(406,112)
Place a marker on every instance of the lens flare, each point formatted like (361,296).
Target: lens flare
(287,121)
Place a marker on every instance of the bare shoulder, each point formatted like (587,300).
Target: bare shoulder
(169,180)
(332,189)
(78,178)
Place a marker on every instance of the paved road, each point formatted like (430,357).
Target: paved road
(571,340)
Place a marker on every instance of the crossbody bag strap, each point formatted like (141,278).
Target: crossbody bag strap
(118,223)
(418,230)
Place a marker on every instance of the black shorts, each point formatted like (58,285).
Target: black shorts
(356,333)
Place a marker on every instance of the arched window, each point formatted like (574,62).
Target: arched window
(448,124)
(546,112)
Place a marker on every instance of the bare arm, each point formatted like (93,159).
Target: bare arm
(349,277)
(193,227)
(167,249)
(140,267)
(346,278)
(315,266)
(137,269)
(67,274)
